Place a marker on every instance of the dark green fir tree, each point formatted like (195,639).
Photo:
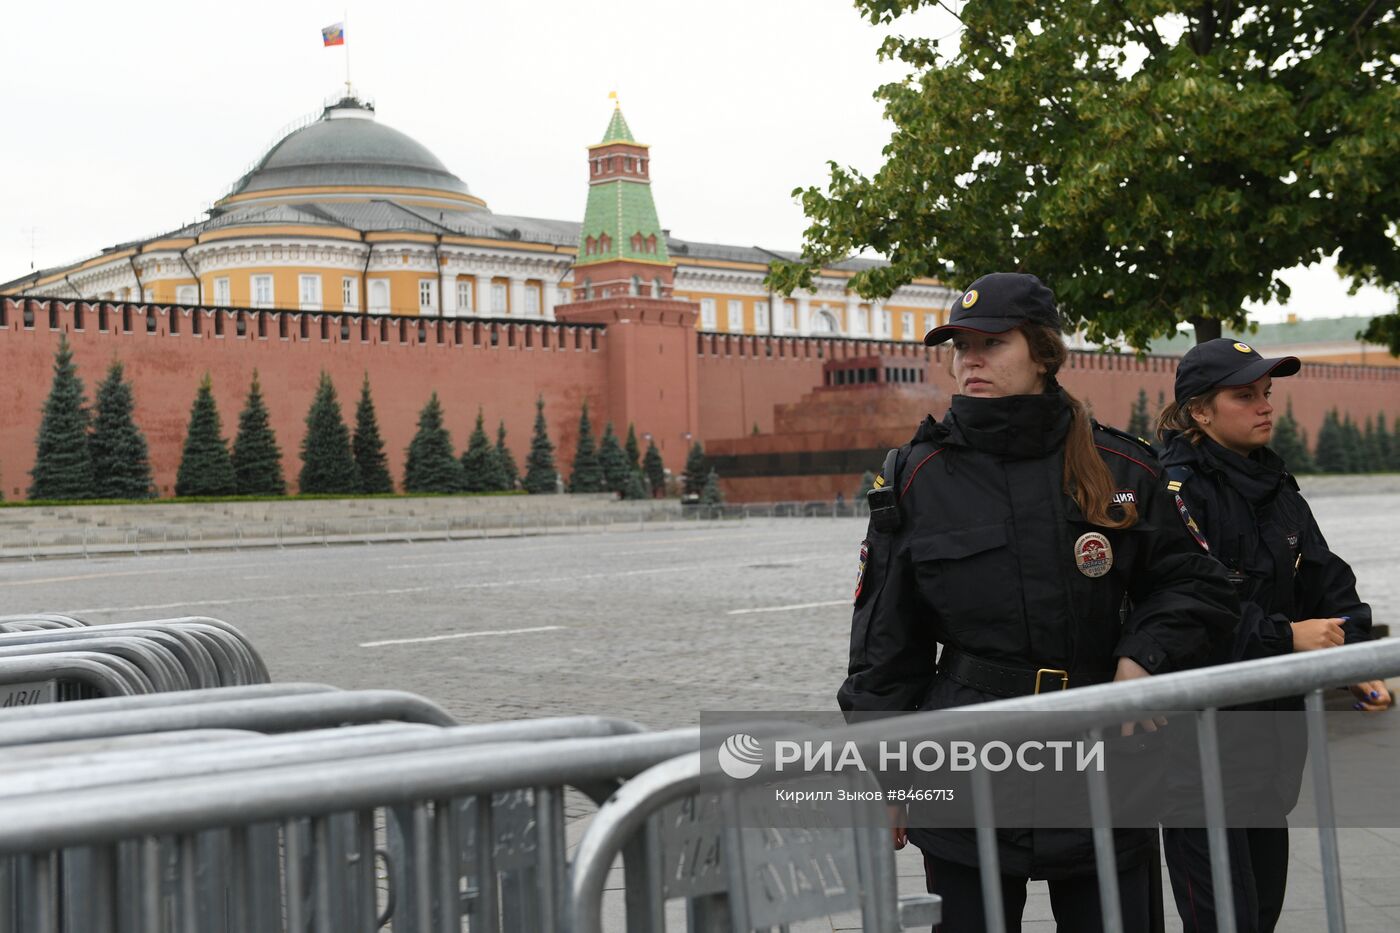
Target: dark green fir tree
(693,479)
(121,464)
(509,470)
(206,469)
(633,449)
(710,493)
(481,468)
(370,459)
(636,486)
(587,474)
(257,460)
(1381,443)
(432,466)
(63,460)
(612,459)
(655,469)
(1331,454)
(1355,446)
(1289,444)
(327,465)
(1139,421)
(540,475)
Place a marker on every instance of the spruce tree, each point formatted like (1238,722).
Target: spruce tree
(540,475)
(1355,447)
(1331,453)
(693,479)
(327,465)
(257,460)
(481,469)
(509,471)
(1381,446)
(63,460)
(432,466)
(710,493)
(655,470)
(121,465)
(1139,424)
(206,469)
(1288,443)
(634,450)
(587,474)
(370,460)
(613,461)
(636,486)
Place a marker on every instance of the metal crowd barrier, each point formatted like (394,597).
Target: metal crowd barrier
(629,815)
(47,657)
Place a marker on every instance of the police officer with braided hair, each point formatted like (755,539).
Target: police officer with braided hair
(1006,543)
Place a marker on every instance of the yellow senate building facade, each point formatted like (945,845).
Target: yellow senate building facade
(345,213)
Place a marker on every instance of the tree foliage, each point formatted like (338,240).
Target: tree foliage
(587,473)
(1154,161)
(1290,444)
(693,479)
(327,465)
(63,460)
(634,449)
(368,446)
(257,460)
(540,475)
(710,493)
(655,469)
(1139,421)
(612,460)
(206,469)
(510,473)
(432,466)
(121,463)
(481,467)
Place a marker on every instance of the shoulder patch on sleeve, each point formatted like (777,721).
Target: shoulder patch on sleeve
(1190,522)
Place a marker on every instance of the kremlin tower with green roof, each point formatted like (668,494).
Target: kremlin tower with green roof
(622,248)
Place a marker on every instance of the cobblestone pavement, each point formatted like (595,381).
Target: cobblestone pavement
(649,625)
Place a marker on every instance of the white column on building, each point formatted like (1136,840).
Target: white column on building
(877,321)
(447,291)
(804,315)
(549,291)
(517,295)
(853,315)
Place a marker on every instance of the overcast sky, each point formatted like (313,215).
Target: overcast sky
(125,120)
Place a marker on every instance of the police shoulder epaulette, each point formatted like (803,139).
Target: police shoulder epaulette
(1142,442)
(1176,476)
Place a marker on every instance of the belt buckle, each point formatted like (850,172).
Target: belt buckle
(1055,671)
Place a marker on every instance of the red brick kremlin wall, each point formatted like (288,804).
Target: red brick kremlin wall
(739,379)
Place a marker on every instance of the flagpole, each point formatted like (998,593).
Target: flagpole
(346,42)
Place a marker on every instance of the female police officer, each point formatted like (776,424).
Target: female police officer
(1295,595)
(1021,528)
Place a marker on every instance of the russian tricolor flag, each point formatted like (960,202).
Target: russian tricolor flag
(333,35)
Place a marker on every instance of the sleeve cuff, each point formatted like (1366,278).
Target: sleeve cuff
(1144,650)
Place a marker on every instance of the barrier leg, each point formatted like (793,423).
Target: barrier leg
(294,903)
(1105,858)
(1326,817)
(488,908)
(1208,740)
(643,896)
(988,861)
(446,872)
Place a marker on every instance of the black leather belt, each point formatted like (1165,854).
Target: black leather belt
(1007,681)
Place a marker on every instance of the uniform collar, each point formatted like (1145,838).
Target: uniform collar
(1017,427)
(1257,477)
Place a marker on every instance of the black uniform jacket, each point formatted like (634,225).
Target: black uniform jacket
(983,562)
(1260,527)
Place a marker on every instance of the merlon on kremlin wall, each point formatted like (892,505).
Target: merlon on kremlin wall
(349,248)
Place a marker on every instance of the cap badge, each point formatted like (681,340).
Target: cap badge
(1093,555)
(1243,348)
(969,298)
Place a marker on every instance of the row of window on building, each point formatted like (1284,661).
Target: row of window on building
(310,297)
(823,320)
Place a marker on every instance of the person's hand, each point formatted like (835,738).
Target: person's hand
(1372,697)
(899,833)
(1128,669)
(1315,634)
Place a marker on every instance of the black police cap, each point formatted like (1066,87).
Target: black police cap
(1226,363)
(996,303)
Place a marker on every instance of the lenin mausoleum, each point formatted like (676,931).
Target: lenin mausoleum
(349,248)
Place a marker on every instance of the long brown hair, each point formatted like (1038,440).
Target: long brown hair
(1087,479)
(1177,416)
